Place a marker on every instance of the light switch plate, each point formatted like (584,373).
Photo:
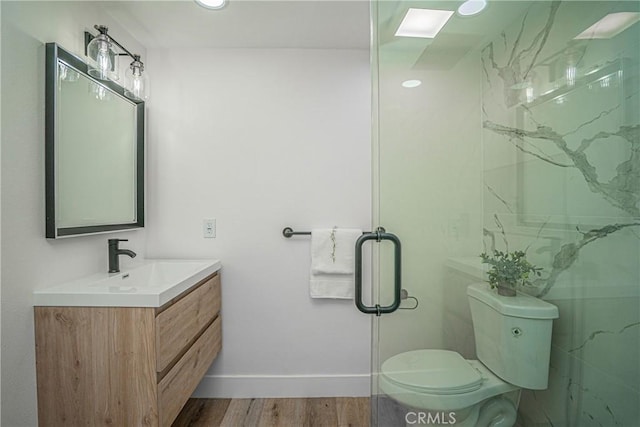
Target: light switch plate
(209,228)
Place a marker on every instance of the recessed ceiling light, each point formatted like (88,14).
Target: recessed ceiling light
(212,4)
(610,26)
(424,23)
(472,7)
(411,83)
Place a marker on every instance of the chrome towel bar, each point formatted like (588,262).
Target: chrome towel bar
(288,232)
(399,294)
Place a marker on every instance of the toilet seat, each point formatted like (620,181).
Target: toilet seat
(408,385)
(432,371)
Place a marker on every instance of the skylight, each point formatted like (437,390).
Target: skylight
(424,23)
(609,26)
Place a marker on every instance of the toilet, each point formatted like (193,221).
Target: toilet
(513,345)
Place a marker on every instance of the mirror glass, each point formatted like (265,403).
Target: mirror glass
(95,157)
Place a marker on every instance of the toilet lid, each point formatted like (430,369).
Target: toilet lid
(432,371)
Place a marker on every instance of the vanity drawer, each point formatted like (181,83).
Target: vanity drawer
(178,325)
(177,386)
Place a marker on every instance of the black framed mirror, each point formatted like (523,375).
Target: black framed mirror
(94,151)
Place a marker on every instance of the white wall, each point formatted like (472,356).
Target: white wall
(30,261)
(260,140)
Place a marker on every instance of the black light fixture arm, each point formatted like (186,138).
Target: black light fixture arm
(103,30)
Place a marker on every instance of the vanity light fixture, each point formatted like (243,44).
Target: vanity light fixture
(212,4)
(103,62)
(472,7)
(423,23)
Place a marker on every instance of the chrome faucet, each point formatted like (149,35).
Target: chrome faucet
(115,252)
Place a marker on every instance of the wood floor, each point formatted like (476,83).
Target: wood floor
(311,412)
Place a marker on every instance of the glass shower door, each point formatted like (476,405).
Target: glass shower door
(514,129)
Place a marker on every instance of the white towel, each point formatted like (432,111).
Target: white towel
(332,263)
(333,250)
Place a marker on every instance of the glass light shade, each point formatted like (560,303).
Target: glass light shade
(136,83)
(102,59)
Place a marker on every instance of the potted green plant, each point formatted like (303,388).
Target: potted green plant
(508,270)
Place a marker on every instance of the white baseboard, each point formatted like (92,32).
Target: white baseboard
(261,386)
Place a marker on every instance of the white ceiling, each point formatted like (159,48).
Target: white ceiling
(342,24)
(323,24)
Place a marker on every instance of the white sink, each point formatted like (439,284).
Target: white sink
(149,283)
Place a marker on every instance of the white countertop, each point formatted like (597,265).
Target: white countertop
(148,283)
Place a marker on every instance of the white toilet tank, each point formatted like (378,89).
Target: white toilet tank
(513,335)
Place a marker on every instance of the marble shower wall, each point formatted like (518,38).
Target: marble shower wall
(561,151)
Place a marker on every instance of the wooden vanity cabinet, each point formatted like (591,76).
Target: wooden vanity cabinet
(125,366)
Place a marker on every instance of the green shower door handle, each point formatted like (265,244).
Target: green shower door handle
(379,235)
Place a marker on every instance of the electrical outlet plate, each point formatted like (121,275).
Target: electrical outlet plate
(209,228)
